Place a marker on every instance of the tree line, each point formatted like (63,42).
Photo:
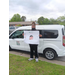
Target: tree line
(17,18)
(41,20)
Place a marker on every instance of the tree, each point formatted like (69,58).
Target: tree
(46,21)
(61,20)
(15,18)
(23,18)
(52,21)
(41,20)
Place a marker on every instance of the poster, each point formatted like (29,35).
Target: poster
(31,37)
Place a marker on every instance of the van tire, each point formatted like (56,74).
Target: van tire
(47,53)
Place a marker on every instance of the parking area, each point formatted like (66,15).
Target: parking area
(59,60)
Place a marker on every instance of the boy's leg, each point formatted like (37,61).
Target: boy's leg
(36,51)
(31,51)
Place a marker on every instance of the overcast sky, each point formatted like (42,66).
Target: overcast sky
(33,9)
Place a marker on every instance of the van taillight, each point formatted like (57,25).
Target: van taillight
(63,40)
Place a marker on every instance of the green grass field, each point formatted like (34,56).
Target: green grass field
(19,65)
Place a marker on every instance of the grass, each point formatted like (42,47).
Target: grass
(19,65)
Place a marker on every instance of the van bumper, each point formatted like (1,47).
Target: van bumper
(61,53)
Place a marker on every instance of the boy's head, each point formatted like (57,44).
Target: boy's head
(33,24)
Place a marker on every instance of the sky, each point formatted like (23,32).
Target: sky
(33,9)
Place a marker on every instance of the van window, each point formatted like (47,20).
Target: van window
(17,34)
(50,34)
(62,31)
(40,32)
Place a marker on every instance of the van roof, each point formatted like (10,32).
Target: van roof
(42,27)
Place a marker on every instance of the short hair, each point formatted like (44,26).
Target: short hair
(31,35)
(33,23)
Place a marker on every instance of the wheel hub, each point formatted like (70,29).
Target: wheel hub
(49,54)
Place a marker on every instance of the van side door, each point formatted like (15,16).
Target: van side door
(16,40)
(27,47)
(40,46)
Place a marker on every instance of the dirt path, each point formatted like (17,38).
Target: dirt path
(40,58)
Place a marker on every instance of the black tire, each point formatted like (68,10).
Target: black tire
(49,54)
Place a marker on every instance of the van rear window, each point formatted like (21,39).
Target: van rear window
(50,33)
(62,31)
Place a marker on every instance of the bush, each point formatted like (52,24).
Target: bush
(19,25)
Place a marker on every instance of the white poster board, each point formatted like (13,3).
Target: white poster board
(31,37)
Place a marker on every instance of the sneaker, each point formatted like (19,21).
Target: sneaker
(30,59)
(36,59)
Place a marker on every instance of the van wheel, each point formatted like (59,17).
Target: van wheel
(49,54)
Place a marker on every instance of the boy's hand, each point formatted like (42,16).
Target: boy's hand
(40,35)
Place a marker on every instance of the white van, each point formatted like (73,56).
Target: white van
(51,44)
